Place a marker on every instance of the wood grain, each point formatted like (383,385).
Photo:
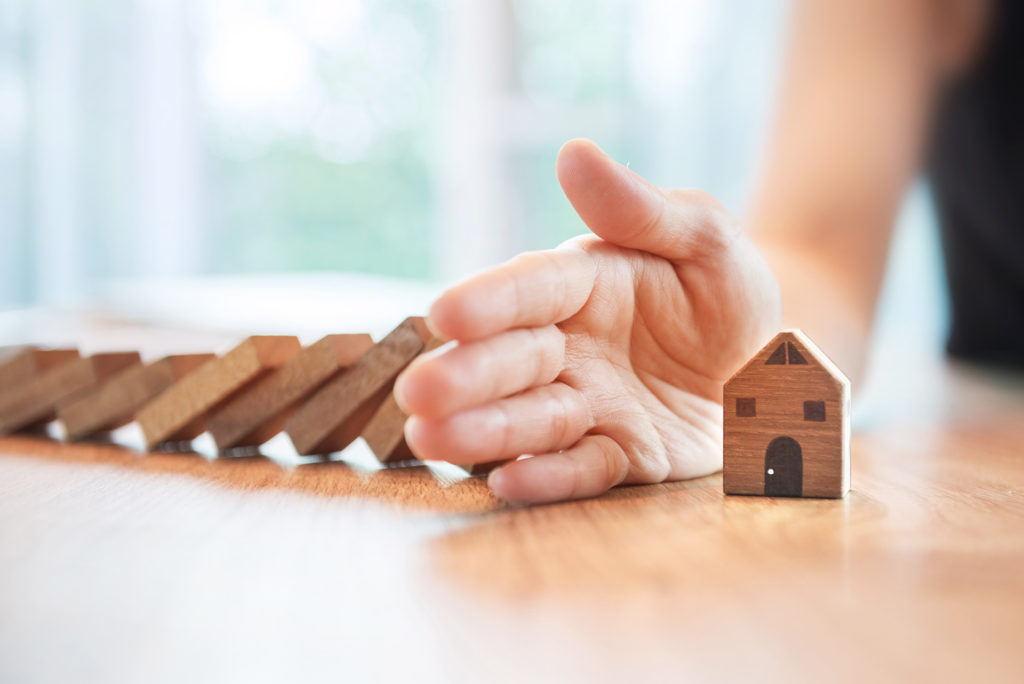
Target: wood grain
(177,414)
(37,400)
(925,556)
(337,413)
(115,402)
(122,564)
(259,413)
(917,575)
(766,407)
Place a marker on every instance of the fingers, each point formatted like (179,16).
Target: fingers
(532,290)
(436,385)
(621,207)
(540,420)
(596,464)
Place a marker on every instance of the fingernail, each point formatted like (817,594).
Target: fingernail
(496,479)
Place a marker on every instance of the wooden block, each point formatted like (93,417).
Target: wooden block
(385,432)
(9,351)
(28,362)
(178,413)
(37,400)
(259,413)
(787,423)
(337,413)
(115,402)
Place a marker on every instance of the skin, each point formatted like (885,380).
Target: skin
(603,360)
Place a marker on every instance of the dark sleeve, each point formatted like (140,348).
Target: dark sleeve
(976,168)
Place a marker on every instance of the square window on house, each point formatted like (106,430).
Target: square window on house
(814,410)
(746,407)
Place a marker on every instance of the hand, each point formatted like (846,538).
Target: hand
(604,359)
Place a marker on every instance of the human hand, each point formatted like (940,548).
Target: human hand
(604,359)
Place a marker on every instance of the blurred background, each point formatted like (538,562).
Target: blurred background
(237,162)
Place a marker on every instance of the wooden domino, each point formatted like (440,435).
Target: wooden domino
(337,413)
(787,423)
(385,431)
(115,402)
(260,412)
(36,401)
(21,365)
(9,351)
(323,396)
(178,413)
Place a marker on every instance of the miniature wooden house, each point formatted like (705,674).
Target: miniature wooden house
(787,423)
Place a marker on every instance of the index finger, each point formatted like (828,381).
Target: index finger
(532,290)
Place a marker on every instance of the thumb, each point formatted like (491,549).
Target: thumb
(620,206)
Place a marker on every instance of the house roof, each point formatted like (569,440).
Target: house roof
(803,342)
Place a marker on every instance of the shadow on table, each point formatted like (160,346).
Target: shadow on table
(414,487)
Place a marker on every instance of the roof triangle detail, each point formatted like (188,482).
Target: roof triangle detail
(802,342)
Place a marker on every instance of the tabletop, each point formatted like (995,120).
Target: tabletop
(118,566)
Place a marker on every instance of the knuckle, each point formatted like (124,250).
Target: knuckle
(652,221)
(616,463)
(548,352)
(504,433)
(652,471)
(560,416)
(713,226)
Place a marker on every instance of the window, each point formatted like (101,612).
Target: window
(409,138)
(778,357)
(746,407)
(814,410)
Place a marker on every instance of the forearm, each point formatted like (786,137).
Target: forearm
(858,86)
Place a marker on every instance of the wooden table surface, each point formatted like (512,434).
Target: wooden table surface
(119,567)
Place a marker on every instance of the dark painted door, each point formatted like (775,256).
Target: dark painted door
(783,468)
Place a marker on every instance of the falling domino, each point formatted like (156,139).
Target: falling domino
(324,395)
(36,401)
(115,402)
(337,413)
(21,365)
(177,414)
(255,416)
(385,433)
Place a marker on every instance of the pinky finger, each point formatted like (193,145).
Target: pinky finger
(592,466)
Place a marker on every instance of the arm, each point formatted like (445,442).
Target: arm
(860,80)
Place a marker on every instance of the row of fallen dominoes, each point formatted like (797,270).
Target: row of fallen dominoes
(322,396)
